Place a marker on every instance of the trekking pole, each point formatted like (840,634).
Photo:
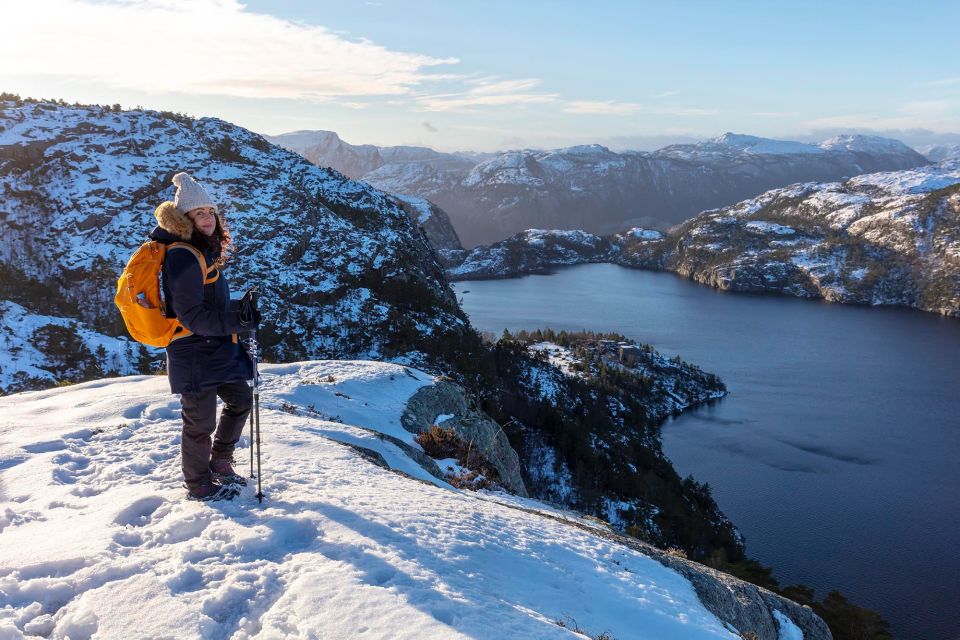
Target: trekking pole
(255,417)
(253,358)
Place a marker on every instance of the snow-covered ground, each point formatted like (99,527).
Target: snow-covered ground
(22,359)
(97,540)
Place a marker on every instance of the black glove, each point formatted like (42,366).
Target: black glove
(249,314)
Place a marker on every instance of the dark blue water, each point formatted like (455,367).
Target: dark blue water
(837,452)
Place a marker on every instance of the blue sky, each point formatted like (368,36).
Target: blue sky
(497,74)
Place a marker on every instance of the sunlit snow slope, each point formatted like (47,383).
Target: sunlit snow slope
(96,538)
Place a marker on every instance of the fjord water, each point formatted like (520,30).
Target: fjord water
(837,451)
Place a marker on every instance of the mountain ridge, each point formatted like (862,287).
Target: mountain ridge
(589,187)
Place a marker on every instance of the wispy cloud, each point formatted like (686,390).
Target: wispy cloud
(774,114)
(488,92)
(937,115)
(613,108)
(201,47)
(602,107)
(665,94)
(942,82)
(429,127)
(684,111)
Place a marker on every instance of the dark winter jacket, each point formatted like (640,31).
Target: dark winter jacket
(211,355)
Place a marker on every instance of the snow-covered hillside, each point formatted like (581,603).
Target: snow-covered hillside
(96,539)
(530,251)
(888,238)
(39,350)
(342,268)
(344,271)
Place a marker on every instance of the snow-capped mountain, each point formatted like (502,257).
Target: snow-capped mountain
(334,259)
(591,188)
(356,536)
(941,152)
(888,238)
(325,148)
(351,160)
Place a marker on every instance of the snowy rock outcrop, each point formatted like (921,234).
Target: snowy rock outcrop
(445,404)
(531,251)
(97,540)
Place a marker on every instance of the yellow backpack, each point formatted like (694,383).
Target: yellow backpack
(138,294)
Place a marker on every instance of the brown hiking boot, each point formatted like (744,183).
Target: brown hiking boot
(222,471)
(214,491)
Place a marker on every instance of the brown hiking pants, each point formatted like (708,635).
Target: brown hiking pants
(199,411)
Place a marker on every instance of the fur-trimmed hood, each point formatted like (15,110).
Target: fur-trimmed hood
(173,221)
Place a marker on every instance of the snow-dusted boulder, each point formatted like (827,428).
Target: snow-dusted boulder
(444,404)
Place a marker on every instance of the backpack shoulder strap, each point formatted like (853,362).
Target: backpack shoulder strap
(210,274)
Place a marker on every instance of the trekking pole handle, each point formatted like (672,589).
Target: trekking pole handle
(254,356)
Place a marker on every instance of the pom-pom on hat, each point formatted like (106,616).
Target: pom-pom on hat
(190,194)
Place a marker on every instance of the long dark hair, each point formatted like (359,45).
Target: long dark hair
(219,242)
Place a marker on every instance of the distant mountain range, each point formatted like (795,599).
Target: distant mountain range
(940,152)
(889,238)
(490,197)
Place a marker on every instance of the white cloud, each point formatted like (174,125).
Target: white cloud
(774,114)
(665,94)
(928,107)
(605,107)
(487,92)
(200,47)
(936,115)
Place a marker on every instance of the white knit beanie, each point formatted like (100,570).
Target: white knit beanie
(190,194)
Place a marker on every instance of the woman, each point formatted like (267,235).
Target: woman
(206,360)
